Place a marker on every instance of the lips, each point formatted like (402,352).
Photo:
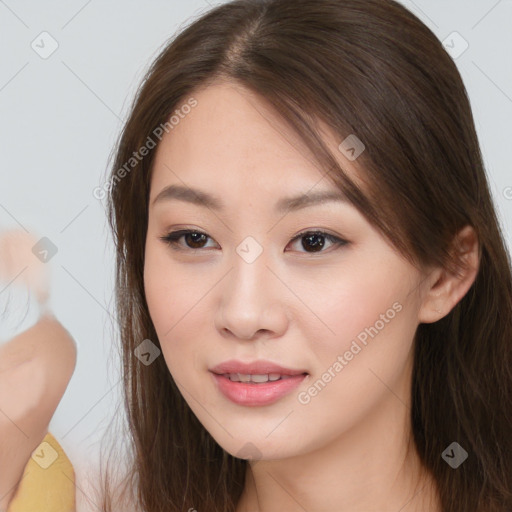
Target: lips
(261,367)
(256,384)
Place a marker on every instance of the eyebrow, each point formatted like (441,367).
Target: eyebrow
(202,198)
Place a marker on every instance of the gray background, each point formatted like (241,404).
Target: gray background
(59,119)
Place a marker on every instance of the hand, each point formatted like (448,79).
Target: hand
(35,369)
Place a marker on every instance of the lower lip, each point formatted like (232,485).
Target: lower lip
(249,394)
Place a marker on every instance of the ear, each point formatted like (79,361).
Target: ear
(446,289)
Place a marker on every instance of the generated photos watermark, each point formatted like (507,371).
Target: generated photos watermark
(100,192)
(304,397)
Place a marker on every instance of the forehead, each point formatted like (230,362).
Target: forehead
(233,141)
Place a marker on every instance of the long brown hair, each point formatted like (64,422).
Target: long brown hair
(364,67)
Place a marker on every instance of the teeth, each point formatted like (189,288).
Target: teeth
(258,379)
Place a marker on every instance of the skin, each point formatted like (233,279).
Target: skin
(35,367)
(347,449)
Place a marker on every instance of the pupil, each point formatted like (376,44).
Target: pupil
(194,236)
(313,240)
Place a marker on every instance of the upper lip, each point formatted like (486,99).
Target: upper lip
(259,367)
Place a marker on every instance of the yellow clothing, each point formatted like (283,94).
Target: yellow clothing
(48,481)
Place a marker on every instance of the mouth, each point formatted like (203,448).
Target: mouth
(257,378)
(256,384)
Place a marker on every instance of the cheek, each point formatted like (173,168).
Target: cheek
(156,289)
(369,318)
(167,289)
(354,370)
(366,301)
(176,306)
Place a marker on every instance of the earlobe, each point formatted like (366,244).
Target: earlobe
(446,288)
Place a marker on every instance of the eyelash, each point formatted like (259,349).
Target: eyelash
(172,238)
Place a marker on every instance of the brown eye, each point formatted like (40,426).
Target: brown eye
(193,239)
(314,241)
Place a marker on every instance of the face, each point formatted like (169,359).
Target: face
(314,290)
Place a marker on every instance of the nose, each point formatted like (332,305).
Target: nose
(251,305)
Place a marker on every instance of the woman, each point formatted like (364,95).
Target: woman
(373,373)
